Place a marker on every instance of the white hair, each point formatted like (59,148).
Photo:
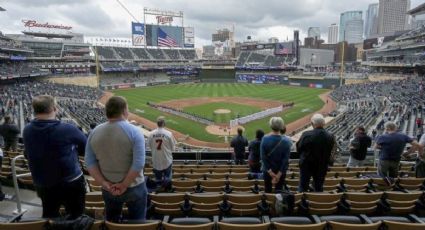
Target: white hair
(318,120)
(276,123)
(390,126)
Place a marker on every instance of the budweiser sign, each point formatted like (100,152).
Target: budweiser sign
(34,23)
(164,19)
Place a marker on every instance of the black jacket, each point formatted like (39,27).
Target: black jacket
(359,146)
(10,132)
(315,147)
(239,143)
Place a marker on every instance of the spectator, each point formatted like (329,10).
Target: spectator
(117,161)
(419,122)
(162,145)
(315,148)
(254,152)
(275,150)
(238,144)
(2,195)
(358,147)
(391,146)
(52,148)
(10,133)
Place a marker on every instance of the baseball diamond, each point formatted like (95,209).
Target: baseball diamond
(202,99)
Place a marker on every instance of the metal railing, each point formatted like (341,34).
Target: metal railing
(19,210)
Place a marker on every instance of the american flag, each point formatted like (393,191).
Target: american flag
(165,40)
(281,49)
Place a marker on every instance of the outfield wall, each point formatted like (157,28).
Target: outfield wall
(217,75)
(285,79)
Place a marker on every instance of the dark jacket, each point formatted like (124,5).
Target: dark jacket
(359,146)
(52,148)
(10,132)
(254,153)
(315,147)
(239,143)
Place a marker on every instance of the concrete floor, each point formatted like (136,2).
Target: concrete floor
(30,202)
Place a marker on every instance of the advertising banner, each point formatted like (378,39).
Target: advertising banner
(138,33)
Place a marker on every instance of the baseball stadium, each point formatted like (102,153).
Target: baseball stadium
(148,131)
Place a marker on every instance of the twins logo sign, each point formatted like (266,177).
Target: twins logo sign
(138,33)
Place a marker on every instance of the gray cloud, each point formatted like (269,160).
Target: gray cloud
(258,18)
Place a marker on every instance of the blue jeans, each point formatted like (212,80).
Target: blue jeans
(164,175)
(134,197)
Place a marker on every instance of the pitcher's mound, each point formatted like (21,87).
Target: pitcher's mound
(222,131)
(222,111)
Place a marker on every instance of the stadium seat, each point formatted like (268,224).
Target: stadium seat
(391,225)
(344,226)
(280,226)
(190,221)
(342,219)
(243,223)
(145,226)
(207,226)
(402,219)
(295,220)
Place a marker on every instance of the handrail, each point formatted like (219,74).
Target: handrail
(19,210)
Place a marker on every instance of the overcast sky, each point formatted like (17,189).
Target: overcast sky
(260,19)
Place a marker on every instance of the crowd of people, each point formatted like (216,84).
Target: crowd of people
(117,161)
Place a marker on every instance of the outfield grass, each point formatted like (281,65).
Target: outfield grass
(207,111)
(306,101)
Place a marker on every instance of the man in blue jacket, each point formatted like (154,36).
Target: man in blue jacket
(52,149)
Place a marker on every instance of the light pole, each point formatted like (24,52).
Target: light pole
(342,60)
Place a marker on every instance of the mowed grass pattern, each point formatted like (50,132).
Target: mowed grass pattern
(306,101)
(207,111)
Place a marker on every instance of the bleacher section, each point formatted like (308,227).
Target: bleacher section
(124,53)
(405,51)
(263,60)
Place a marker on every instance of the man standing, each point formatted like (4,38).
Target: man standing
(10,133)
(391,146)
(275,150)
(115,158)
(162,144)
(358,147)
(238,144)
(315,148)
(52,149)
(254,156)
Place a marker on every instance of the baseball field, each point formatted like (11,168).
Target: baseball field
(221,102)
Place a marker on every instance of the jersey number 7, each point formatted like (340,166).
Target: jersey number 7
(158,144)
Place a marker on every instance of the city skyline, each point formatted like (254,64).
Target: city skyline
(256,19)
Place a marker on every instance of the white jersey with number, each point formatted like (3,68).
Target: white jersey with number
(162,144)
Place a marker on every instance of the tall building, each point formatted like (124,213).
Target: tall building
(333,34)
(273,40)
(314,32)
(351,27)
(223,41)
(393,16)
(371,23)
